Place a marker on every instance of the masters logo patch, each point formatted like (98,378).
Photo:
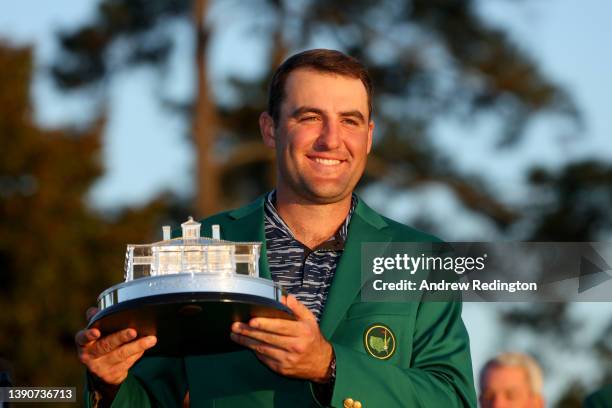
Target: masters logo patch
(379,341)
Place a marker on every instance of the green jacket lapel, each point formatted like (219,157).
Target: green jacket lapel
(248,225)
(366,226)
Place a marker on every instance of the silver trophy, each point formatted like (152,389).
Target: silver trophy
(187,291)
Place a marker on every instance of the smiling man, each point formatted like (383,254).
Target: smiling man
(339,351)
(322,134)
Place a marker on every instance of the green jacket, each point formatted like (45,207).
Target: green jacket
(430,366)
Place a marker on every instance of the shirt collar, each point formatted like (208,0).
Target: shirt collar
(336,242)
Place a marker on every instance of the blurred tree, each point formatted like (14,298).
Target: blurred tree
(128,33)
(434,60)
(133,32)
(574,202)
(56,254)
(571,204)
(430,60)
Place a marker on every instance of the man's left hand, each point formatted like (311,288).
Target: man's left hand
(291,348)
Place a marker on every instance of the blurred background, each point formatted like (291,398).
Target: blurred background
(119,116)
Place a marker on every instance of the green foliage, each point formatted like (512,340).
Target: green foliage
(135,24)
(576,202)
(56,254)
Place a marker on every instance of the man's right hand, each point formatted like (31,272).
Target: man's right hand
(109,358)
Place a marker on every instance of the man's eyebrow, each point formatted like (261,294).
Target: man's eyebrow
(309,109)
(355,114)
(305,109)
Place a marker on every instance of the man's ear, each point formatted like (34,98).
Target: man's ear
(267,129)
(370,135)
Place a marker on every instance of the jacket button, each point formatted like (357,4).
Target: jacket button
(357,404)
(348,403)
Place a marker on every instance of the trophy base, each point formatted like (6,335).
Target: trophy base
(192,322)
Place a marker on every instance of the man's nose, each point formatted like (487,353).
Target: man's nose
(329,137)
(500,402)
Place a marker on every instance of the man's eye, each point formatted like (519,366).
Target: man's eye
(309,118)
(350,122)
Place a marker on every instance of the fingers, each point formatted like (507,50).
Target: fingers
(113,366)
(130,361)
(91,312)
(258,347)
(276,326)
(299,309)
(109,358)
(113,341)
(86,336)
(273,363)
(273,339)
(130,351)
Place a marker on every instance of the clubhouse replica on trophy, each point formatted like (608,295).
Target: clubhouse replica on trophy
(187,291)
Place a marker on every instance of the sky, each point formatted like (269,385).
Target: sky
(146,151)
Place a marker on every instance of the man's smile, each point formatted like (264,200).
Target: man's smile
(326,161)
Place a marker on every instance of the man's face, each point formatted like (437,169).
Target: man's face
(508,387)
(322,137)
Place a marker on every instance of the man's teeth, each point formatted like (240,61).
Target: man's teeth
(327,162)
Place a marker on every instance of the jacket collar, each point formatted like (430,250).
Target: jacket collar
(362,210)
(366,225)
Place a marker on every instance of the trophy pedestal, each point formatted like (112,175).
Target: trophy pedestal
(191,314)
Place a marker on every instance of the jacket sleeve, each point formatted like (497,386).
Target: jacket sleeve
(439,374)
(165,380)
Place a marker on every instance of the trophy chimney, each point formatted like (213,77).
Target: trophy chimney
(166,232)
(216,231)
(191,229)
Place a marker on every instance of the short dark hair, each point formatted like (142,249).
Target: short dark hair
(329,61)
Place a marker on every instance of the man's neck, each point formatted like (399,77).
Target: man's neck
(311,223)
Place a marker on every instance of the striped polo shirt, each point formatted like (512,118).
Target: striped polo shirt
(307,274)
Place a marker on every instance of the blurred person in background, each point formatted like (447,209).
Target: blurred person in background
(511,380)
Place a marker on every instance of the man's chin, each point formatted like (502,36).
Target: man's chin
(326,196)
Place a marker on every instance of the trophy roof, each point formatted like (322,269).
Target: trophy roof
(200,241)
(191,253)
